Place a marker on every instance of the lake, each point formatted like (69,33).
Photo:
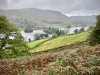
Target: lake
(40,31)
(71,30)
(31,35)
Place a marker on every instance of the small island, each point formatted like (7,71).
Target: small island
(28,30)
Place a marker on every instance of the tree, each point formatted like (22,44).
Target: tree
(95,33)
(28,30)
(37,37)
(29,40)
(46,35)
(76,31)
(50,30)
(11,38)
(69,26)
(54,35)
(91,27)
(81,30)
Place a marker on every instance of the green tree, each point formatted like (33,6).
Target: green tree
(69,26)
(95,33)
(81,30)
(76,31)
(91,27)
(54,35)
(11,39)
(37,37)
(28,30)
(46,35)
(29,40)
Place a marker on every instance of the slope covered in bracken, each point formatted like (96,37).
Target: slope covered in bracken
(75,59)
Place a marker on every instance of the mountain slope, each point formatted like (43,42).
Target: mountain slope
(38,16)
(91,18)
(77,59)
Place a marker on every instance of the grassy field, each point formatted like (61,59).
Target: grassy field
(34,43)
(57,42)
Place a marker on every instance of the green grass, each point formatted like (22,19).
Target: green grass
(57,42)
(34,43)
(65,25)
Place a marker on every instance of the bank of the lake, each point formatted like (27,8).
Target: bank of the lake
(40,31)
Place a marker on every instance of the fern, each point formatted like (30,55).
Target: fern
(54,63)
(58,61)
(23,72)
(95,70)
(94,60)
(82,70)
(53,71)
(63,59)
(70,70)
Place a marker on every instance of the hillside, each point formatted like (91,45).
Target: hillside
(37,16)
(65,55)
(76,59)
(45,44)
(91,18)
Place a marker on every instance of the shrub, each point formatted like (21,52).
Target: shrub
(76,31)
(95,70)
(53,71)
(81,30)
(94,37)
(70,70)
(54,35)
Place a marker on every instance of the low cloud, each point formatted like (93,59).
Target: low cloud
(3,4)
(69,7)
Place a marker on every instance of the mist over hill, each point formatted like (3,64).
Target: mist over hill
(37,17)
(91,18)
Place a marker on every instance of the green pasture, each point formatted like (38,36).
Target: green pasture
(57,42)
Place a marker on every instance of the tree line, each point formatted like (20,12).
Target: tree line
(50,30)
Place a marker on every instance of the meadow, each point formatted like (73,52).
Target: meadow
(57,42)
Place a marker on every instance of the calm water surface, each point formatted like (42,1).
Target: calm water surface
(31,35)
(40,31)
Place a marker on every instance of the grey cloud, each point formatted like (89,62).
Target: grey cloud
(64,6)
(3,4)
(15,1)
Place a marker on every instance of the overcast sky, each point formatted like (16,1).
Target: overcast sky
(67,7)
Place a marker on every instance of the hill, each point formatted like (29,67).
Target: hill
(76,59)
(91,18)
(45,44)
(37,18)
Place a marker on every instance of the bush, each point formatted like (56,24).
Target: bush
(81,30)
(53,71)
(40,36)
(37,37)
(91,27)
(94,37)
(28,30)
(76,31)
(95,70)
(14,46)
(54,35)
